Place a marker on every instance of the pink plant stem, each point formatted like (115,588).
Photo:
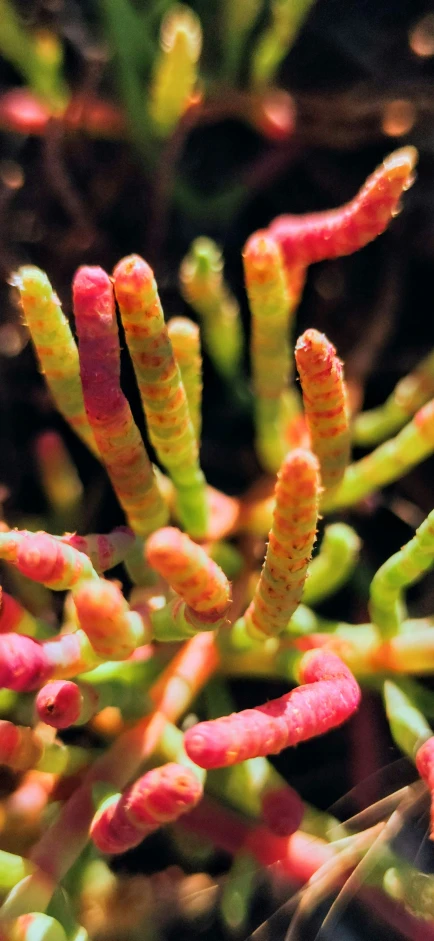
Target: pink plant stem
(330,696)
(335,232)
(160,796)
(62,703)
(425,767)
(26,664)
(299,856)
(282,810)
(60,845)
(107,409)
(13,617)
(104,550)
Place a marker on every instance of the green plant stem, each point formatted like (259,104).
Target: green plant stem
(334,564)
(403,569)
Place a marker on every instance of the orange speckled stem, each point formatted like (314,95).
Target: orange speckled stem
(163,395)
(335,232)
(203,589)
(118,438)
(105,616)
(325,403)
(291,540)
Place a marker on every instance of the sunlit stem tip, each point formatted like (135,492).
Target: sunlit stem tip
(26,664)
(325,403)
(272,310)
(204,288)
(46,559)
(197,579)
(399,572)
(105,616)
(175,72)
(291,540)
(162,392)
(159,797)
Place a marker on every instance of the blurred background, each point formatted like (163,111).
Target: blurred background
(294,105)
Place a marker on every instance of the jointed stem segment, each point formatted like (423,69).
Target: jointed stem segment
(163,395)
(401,570)
(291,540)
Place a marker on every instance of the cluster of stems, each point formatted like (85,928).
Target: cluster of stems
(126,662)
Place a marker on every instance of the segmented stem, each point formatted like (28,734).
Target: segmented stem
(27,664)
(408,726)
(334,564)
(62,703)
(325,403)
(104,550)
(164,400)
(402,569)
(119,440)
(105,616)
(409,394)
(57,565)
(13,617)
(203,589)
(185,339)
(204,288)
(387,463)
(328,699)
(55,347)
(291,540)
(160,796)
(335,232)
